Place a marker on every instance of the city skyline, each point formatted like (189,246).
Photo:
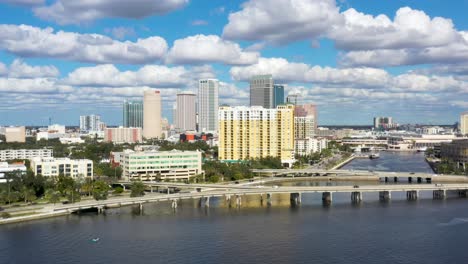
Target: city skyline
(60,65)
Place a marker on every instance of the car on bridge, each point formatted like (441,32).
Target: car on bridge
(356,186)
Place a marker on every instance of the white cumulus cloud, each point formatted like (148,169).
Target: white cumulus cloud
(200,49)
(29,41)
(282,21)
(109,75)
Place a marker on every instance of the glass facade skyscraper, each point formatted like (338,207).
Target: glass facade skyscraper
(133,114)
(278,94)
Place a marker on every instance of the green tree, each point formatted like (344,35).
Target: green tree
(28,194)
(100,190)
(65,184)
(137,189)
(53,196)
(118,190)
(87,186)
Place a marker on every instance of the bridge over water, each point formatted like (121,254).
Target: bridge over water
(234,194)
(369,175)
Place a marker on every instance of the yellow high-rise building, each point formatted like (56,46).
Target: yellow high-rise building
(256,132)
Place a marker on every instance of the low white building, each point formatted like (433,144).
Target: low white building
(12,154)
(46,135)
(56,128)
(308,146)
(174,164)
(432,130)
(71,140)
(53,167)
(5,168)
(417,142)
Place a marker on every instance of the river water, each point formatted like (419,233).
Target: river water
(423,231)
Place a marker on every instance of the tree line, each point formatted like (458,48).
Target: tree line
(28,188)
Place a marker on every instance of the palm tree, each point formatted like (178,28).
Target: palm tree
(28,194)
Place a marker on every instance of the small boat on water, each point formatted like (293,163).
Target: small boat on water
(95,239)
(374,156)
(421,149)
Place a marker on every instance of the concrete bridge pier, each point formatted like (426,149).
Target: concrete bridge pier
(412,195)
(238,200)
(462,193)
(268,197)
(327,198)
(356,197)
(100,209)
(295,198)
(174,204)
(168,190)
(228,199)
(207,201)
(439,194)
(385,196)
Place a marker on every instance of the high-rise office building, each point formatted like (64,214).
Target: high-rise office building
(261,91)
(256,132)
(464,123)
(90,123)
(186,111)
(208,105)
(152,114)
(278,94)
(133,113)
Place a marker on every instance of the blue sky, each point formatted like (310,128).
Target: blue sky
(355,59)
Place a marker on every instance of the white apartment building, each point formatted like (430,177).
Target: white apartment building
(90,123)
(5,168)
(174,165)
(307,146)
(121,135)
(53,167)
(12,154)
